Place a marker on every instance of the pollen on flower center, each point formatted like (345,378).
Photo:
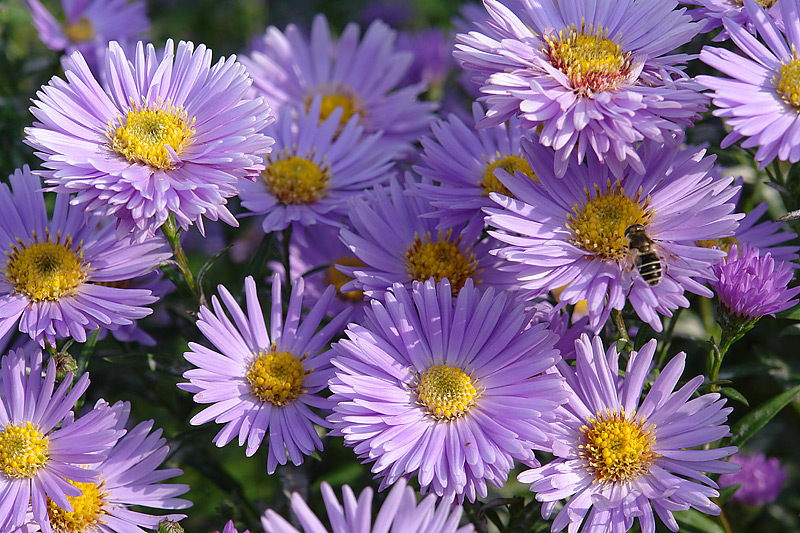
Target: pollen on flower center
(338,279)
(447,392)
(593,62)
(296,180)
(80,31)
(598,226)
(725,243)
(277,377)
(766,4)
(154,137)
(615,448)
(87,512)
(45,270)
(510,164)
(23,450)
(440,259)
(341,97)
(789,81)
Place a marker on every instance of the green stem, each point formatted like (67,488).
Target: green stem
(286,258)
(616,316)
(172,232)
(667,338)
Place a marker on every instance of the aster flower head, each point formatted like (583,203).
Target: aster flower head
(264,382)
(761,479)
(712,12)
(168,136)
(399,511)
(595,76)
(315,166)
(619,456)
(452,389)
(230,528)
(761,97)
(57,274)
(397,243)
(361,75)
(575,232)
(42,464)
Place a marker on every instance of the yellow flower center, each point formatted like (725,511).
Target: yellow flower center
(46,270)
(446,391)
(725,243)
(23,450)
(789,81)
(766,4)
(80,31)
(154,137)
(592,62)
(338,280)
(617,449)
(440,259)
(341,97)
(598,226)
(295,180)
(276,377)
(87,512)
(510,164)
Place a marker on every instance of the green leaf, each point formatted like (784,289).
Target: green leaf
(758,418)
(725,493)
(734,394)
(793,313)
(788,331)
(697,522)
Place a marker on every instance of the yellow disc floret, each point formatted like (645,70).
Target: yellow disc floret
(80,31)
(440,259)
(340,97)
(45,270)
(788,81)
(510,164)
(276,376)
(724,243)
(598,225)
(23,450)
(338,279)
(447,392)
(617,448)
(592,62)
(296,180)
(88,510)
(153,136)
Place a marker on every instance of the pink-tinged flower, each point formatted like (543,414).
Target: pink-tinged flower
(751,284)
(399,512)
(41,462)
(360,75)
(452,389)
(168,136)
(595,76)
(621,457)
(264,382)
(58,274)
(575,232)
(315,166)
(761,99)
(761,479)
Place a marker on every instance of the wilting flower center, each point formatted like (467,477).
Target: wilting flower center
(45,270)
(598,226)
(447,391)
(617,449)
(789,82)
(87,510)
(343,98)
(80,31)
(23,450)
(440,259)
(276,377)
(296,180)
(338,279)
(154,137)
(593,62)
(510,164)
(725,243)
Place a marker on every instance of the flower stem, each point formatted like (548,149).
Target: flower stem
(172,232)
(616,316)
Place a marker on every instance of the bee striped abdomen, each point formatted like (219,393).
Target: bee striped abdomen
(647,261)
(649,267)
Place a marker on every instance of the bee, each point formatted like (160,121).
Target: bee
(645,257)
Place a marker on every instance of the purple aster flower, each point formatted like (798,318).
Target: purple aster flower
(399,511)
(452,389)
(713,12)
(593,75)
(169,136)
(618,456)
(761,479)
(398,244)
(230,528)
(751,284)
(432,53)
(461,161)
(313,169)
(574,232)
(762,100)
(38,462)
(360,76)
(55,281)
(264,381)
